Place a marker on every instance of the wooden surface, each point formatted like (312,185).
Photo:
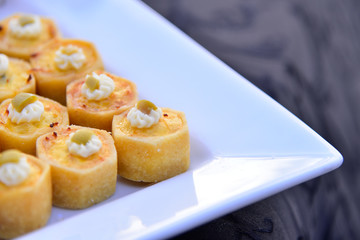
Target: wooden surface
(306,55)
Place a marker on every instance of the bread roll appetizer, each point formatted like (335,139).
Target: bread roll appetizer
(95,99)
(21,35)
(83,165)
(25,193)
(27,116)
(152,143)
(60,62)
(15,77)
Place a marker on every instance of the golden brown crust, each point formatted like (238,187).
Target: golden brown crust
(51,81)
(79,182)
(18,78)
(99,114)
(27,206)
(154,154)
(24,48)
(23,136)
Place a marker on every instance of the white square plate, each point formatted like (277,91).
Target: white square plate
(244,145)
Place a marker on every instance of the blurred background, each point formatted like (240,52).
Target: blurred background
(306,55)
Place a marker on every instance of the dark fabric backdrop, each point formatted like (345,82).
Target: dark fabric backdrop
(305,54)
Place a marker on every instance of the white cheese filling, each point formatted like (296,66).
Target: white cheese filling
(4,64)
(32,29)
(141,120)
(69,57)
(106,87)
(91,147)
(30,113)
(14,173)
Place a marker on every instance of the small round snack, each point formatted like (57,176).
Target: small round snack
(60,62)
(23,34)
(15,77)
(95,99)
(152,143)
(83,165)
(25,193)
(27,116)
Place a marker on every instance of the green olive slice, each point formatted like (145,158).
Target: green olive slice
(20,101)
(92,83)
(82,136)
(146,106)
(10,156)
(25,20)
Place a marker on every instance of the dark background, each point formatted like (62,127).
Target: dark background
(306,55)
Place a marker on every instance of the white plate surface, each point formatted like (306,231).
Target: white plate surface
(244,145)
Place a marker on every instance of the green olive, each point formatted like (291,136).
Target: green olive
(3,78)
(145,106)
(10,156)
(25,20)
(82,136)
(22,100)
(92,83)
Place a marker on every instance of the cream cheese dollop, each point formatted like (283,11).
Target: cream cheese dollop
(14,173)
(140,119)
(69,57)
(4,64)
(30,113)
(25,26)
(106,87)
(91,147)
